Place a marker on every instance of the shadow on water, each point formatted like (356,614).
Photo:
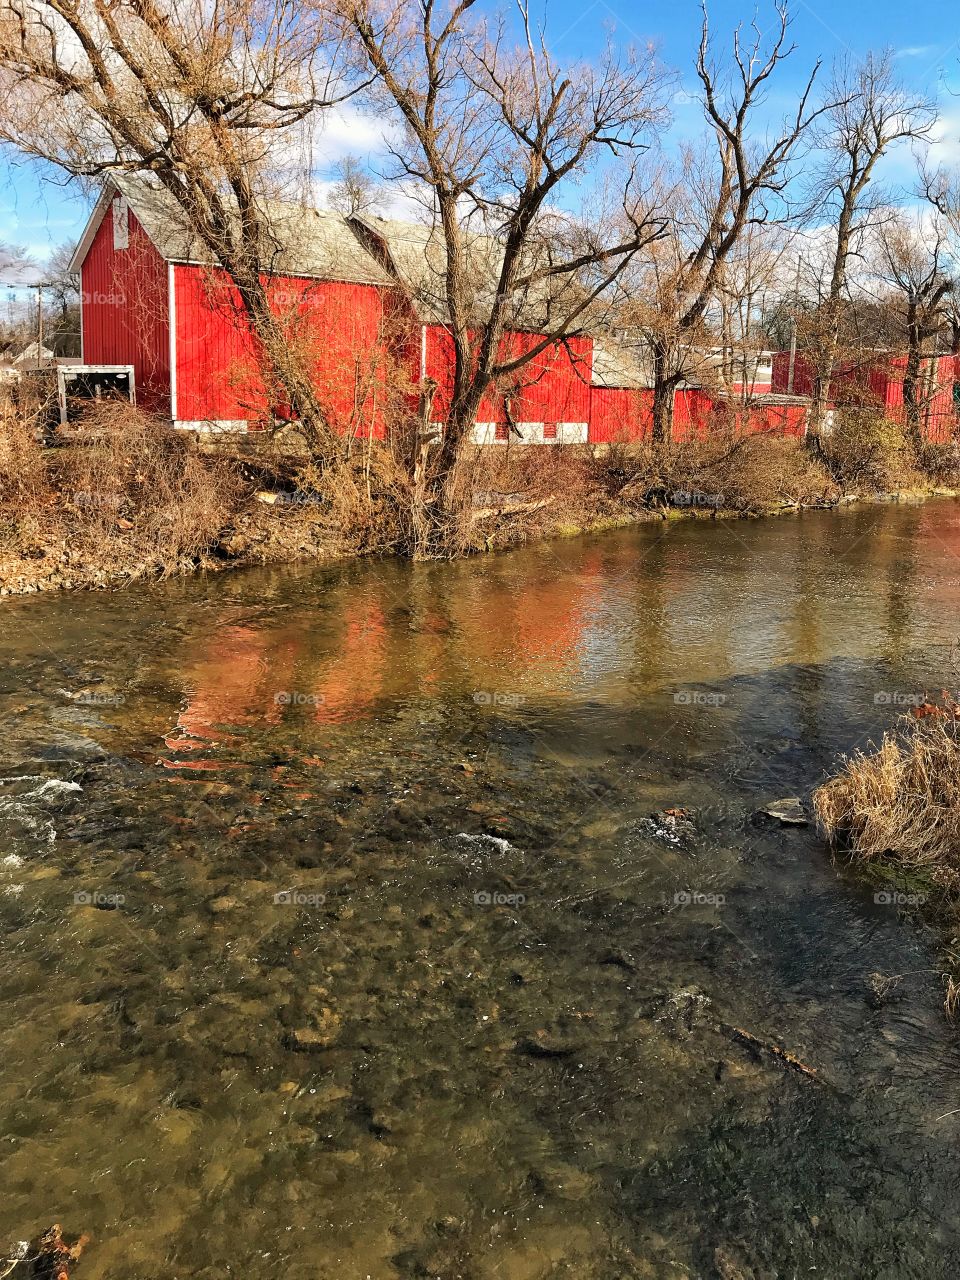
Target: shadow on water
(338,941)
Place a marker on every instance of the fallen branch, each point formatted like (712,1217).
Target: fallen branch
(768,1046)
(521,508)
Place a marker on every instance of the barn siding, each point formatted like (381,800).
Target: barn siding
(880,387)
(341,327)
(554,387)
(621,415)
(626,416)
(125,316)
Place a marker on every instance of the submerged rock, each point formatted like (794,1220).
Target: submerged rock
(731,1265)
(883,990)
(547,1044)
(323,1034)
(788,812)
(682,1009)
(675,826)
(485,840)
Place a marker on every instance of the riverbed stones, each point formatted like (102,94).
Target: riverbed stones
(223,905)
(673,826)
(322,1034)
(883,990)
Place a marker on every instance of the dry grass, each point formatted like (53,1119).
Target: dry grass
(130,498)
(534,490)
(941,464)
(127,498)
(23,471)
(901,800)
(135,486)
(749,474)
(867,453)
(897,806)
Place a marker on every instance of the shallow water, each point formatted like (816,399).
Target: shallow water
(493,1025)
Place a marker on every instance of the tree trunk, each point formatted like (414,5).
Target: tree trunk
(911,380)
(664,393)
(822,385)
(422,527)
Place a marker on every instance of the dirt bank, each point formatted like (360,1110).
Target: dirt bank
(130,499)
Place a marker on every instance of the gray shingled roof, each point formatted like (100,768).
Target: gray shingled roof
(619,366)
(363,250)
(310,242)
(417,257)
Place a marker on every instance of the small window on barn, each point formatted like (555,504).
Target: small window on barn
(121,224)
(549,431)
(502,431)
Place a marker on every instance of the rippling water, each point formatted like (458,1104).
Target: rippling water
(338,941)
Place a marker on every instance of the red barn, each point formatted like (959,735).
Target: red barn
(364,299)
(621,402)
(151,298)
(343,288)
(621,406)
(877,383)
(548,400)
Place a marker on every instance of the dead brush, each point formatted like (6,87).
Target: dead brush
(24,477)
(868,453)
(748,473)
(901,800)
(142,494)
(525,491)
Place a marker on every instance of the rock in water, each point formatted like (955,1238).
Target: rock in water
(674,826)
(790,812)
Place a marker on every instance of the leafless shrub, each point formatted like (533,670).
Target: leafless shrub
(867,452)
(24,479)
(726,471)
(143,493)
(941,463)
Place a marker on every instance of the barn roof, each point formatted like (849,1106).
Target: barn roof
(322,244)
(415,255)
(616,366)
(309,242)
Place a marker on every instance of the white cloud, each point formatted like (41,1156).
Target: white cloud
(944,146)
(916,51)
(348,130)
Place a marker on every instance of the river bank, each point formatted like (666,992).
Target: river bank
(138,502)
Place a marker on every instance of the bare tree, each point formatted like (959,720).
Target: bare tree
(734,183)
(209,100)
(355,192)
(14,263)
(869,112)
(914,256)
(62,291)
(496,137)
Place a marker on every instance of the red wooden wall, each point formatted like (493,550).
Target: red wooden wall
(880,386)
(341,327)
(553,387)
(124,301)
(618,414)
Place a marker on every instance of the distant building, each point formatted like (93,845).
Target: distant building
(33,357)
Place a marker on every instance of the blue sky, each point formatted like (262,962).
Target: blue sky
(40,210)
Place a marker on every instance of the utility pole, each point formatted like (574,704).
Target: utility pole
(793,331)
(39,324)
